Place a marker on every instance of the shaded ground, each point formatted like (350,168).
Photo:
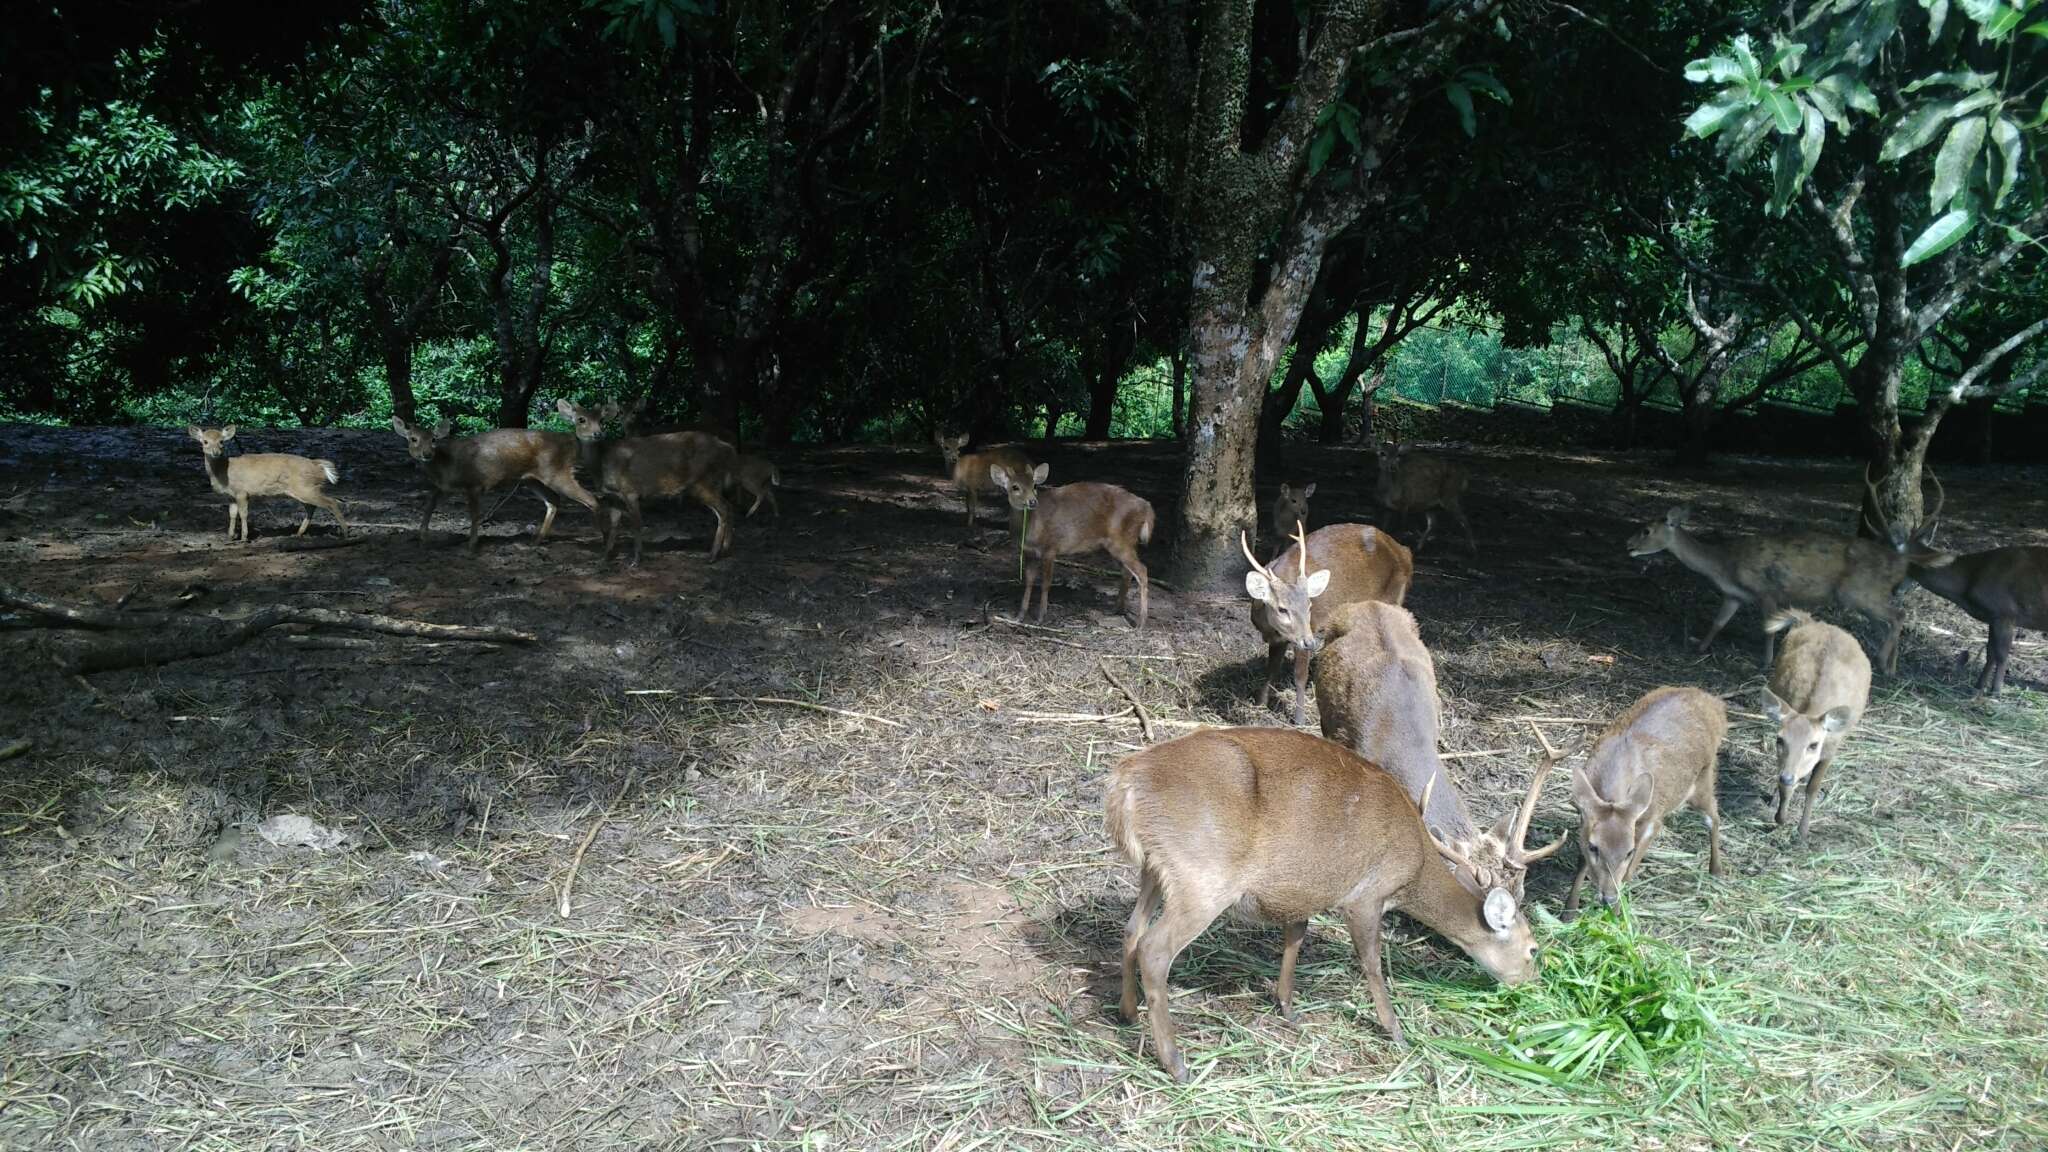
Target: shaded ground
(804,929)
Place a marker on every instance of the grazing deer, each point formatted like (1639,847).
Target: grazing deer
(473,465)
(1281,825)
(2007,588)
(1290,510)
(974,473)
(1800,569)
(266,474)
(1818,690)
(1376,695)
(1412,482)
(1655,758)
(1077,518)
(757,478)
(1336,565)
(667,464)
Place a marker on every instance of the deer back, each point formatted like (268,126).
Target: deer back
(663,465)
(1414,482)
(1667,737)
(1820,668)
(2000,582)
(1815,568)
(278,474)
(500,456)
(1081,516)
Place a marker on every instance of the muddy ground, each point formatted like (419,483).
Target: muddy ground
(792,926)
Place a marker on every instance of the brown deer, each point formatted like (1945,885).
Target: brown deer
(1290,511)
(1818,690)
(1336,565)
(1280,825)
(1655,758)
(1412,482)
(757,478)
(666,464)
(2007,588)
(1376,695)
(1799,569)
(1075,518)
(473,465)
(265,474)
(974,474)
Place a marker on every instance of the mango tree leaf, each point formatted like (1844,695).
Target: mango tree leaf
(1920,126)
(1783,110)
(1940,236)
(2006,136)
(1813,135)
(1708,119)
(2001,25)
(1968,81)
(1980,10)
(1745,59)
(1952,163)
(1825,99)
(1713,70)
(1784,174)
(2040,29)
(1937,15)
(1461,99)
(1320,148)
(1488,83)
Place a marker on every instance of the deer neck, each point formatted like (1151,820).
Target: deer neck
(217,472)
(1436,899)
(1704,558)
(1949,581)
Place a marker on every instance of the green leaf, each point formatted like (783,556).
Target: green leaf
(1461,99)
(1713,70)
(1488,83)
(1937,15)
(1708,119)
(665,17)
(2001,25)
(1968,81)
(1824,97)
(1952,163)
(2038,29)
(1940,236)
(1810,141)
(1746,59)
(1785,174)
(1783,110)
(1920,126)
(2006,136)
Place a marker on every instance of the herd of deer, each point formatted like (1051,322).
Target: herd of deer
(1277,823)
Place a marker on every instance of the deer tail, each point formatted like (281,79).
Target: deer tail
(1787,618)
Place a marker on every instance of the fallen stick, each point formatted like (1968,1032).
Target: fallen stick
(11,750)
(1144,717)
(788,703)
(576,861)
(1478,752)
(78,615)
(311,543)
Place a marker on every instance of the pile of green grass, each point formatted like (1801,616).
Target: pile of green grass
(1607,996)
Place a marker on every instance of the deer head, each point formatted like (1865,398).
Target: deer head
(1288,602)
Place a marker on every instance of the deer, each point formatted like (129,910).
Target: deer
(2006,588)
(757,478)
(1652,760)
(1350,562)
(1376,695)
(1279,825)
(1074,518)
(1817,692)
(1290,507)
(473,465)
(266,474)
(974,473)
(1411,482)
(665,464)
(1799,569)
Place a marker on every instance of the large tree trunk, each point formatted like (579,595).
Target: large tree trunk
(1180,393)
(1701,403)
(1112,354)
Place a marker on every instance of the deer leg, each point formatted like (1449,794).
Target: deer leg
(1365,936)
(1635,859)
(231,540)
(547,516)
(1457,511)
(1300,683)
(474,499)
(1571,898)
(721,537)
(426,517)
(774,507)
(1183,921)
(1275,655)
(1729,606)
(1894,623)
(1030,573)
(1134,931)
(1812,790)
(334,506)
(1999,651)
(1428,526)
(305,519)
(1712,810)
(1133,569)
(639,526)
(1044,585)
(242,507)
(1290,951)
(971,498)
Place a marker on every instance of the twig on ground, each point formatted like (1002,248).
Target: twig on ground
(312,543)
(1144,717)
(15,748)
(576,861)
(1475,752)
(788,703)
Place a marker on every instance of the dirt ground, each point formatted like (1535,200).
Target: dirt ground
(792,927)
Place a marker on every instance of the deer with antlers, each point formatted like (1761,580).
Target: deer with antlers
(1335,565)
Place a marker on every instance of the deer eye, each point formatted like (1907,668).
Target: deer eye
(1593,850)
(1812,746)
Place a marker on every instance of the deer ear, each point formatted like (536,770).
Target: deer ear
(1285,491)
(1317,581)
(1678,516)
(567,409)
(1769,704)
(1000,475)
(442,429)
(960,441)
(609,412)
(1835,720)
(1039,473)
(1503,827)
(1256,584)
(1370,537)
(193,431)
(228,433)
(398,425)
(1641,794)
(1308,491)
(1499,909)
(1584,796)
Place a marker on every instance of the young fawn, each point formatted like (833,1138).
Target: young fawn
(1336,565)
(1280,825)
(667,464)
(265,474)
(1075,518)
(1654,759)
(1376,695)
(2006,588)
(1411,482)
(757,478)
(1290,511)
(1818,690)
(975,473)
(473,465)
(1799,569)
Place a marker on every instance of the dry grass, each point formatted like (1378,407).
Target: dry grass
(802,929)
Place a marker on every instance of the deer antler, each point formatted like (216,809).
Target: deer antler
(1883,531)
(1517,848)
(1940,498)
(1448,852)
(1245,544)
(1301,538)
